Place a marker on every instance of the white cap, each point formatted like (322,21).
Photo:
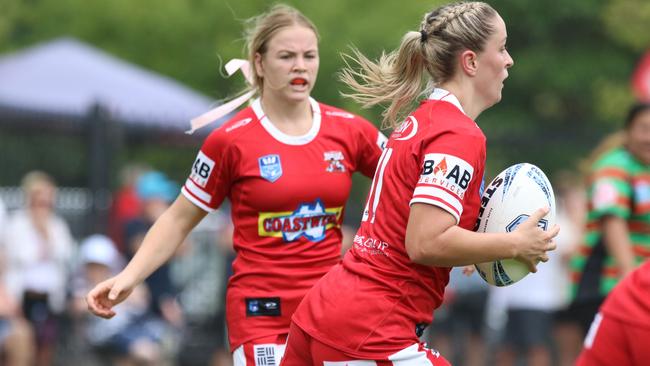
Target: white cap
(99,249)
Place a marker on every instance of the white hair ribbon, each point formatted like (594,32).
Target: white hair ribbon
(208,117)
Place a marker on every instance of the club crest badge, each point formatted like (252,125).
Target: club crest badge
(270,167)
(335,160)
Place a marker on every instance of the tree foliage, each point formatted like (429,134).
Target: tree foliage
(569,85)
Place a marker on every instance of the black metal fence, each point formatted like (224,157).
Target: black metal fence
(87,151)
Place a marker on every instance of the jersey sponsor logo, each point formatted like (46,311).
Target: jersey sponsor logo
(310,220)
(372,246)
(238,124)
(265,355)
(335,160)
(270,167)
(446,171)
(263,306)
(201,169)
(339,114)
(407,129)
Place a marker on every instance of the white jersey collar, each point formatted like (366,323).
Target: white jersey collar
(283,137)
(442,94)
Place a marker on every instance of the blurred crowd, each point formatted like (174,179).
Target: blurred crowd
(176,317)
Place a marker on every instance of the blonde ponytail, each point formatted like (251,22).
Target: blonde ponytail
(395,78)
(424,59)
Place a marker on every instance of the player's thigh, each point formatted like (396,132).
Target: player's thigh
(265,351)
(298,351)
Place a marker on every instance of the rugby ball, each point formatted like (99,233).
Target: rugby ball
(507,201)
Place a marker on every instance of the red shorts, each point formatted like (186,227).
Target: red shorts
(303,350)
(266,351)
(611,342)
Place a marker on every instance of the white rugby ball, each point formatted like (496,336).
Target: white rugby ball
(507,201)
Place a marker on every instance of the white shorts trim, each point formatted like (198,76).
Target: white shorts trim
(267,354)
(413,355)
(593,330)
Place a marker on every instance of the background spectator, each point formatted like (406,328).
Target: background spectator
(617,235)
(38,248)
(126,203)
(155,192)
(16,338)
(135,336)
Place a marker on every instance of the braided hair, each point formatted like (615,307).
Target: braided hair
(425,57)
(451,28)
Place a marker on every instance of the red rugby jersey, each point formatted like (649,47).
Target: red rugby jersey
(371,304)
(287,197)
(629,301)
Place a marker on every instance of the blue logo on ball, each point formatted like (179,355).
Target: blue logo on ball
(543,223)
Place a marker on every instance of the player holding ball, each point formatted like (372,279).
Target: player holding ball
(424,198)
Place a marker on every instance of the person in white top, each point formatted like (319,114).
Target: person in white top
(16,338)
(38,249)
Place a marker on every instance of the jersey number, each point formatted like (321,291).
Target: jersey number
(375,188)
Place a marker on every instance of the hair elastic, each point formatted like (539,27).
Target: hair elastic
(208,117)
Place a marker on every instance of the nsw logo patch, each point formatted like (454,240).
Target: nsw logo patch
(270,167)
